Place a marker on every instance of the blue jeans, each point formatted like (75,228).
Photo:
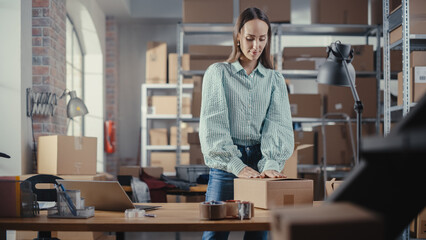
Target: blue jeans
(221,188)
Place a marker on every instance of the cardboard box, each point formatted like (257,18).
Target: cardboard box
(417,84)
(416,27)
(304,52)
(276,10)
(195,154)
(202,56)
(153,171)
(304,137)
(173,74)
(339,11)
(331,186)
(193,138)
(395,60)
(337,99)
(167,160)
(418,225)
(134,171)
(363,58)
(293,64)
(58,154)
(290,166)
(184,135)
(97,177)
(305,105)
(196,96)
(417,59)
(162,104)
(158,136)
(269,193)
(333,221)
(206,11)
(156,62)
(306,154)
(30,235)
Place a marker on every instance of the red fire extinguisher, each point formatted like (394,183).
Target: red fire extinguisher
(109,136)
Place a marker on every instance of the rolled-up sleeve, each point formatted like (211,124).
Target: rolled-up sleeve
(277,131)
(216,143)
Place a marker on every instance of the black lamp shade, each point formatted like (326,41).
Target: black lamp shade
(333,72)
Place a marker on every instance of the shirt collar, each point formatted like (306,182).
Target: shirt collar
(237,68)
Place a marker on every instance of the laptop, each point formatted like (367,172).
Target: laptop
(103,195)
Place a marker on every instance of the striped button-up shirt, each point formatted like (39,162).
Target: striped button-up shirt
(241,109)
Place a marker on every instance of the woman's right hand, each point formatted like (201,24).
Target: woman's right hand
(248,172)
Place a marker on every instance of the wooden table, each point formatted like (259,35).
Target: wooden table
(172,217)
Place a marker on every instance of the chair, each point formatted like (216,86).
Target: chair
(44,195)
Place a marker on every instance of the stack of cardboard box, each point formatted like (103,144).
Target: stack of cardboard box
(167,160)
(417,77)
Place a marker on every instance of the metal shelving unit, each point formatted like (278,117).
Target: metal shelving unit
(146,117)
(408,42)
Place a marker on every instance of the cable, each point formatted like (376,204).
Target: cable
(34,147)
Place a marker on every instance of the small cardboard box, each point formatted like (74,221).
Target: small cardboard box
(195,154)
(338,145)
(331,186)
(184,135)
(306,155)
(153,171)
(163,104)
(363,58)
(334,221)
(269,193)
(206,11)
(417,84)
(134,171)
(158,136)
(305,105)
(418,225)
(417,26)
(156,62)
(417,58)
(58,154)
(167,160)
(294,64)
(173,67)
(276,10)
(193,138)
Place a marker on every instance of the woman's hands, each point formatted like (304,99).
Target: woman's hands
(272,174)
(249,172)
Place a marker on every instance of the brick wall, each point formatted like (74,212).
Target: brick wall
(48,61)
(111,69)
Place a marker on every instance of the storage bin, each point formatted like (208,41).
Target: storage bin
(190,173)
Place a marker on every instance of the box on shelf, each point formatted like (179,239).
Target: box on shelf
(270,193)
(418,225)
(304,52)
(305,105)
(331,186)
(417,85)
(191,172)
(195,154)
(58,154)
(202,56)
(417,58)
(294,64)
(196,96)
(276,10)
(162,104)
(173,67)
(363,58)
(167,160)
(395,60)
(339,12)
(156,62)
(328,221)
(193,138)
(184,135)
(306,155)
(337,99)
(158,136)
(290,166)
(417,26)
(206,11)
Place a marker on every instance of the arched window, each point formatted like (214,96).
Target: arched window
(75,76)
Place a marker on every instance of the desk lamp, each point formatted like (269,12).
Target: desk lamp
(75,106)
(338,70)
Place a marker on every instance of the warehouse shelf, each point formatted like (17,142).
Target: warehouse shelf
(417,43)
(326,29)
(316,169)
(170,86)
(167,116)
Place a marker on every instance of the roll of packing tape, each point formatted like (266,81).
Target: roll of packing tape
(245,210)
(212,210)
(232,208)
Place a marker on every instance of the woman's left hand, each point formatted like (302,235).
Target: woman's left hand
(272,174)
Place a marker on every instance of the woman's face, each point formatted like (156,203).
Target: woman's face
(253,38)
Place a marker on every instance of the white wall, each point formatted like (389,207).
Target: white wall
(15,77)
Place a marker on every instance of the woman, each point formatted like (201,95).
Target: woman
(245,123)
